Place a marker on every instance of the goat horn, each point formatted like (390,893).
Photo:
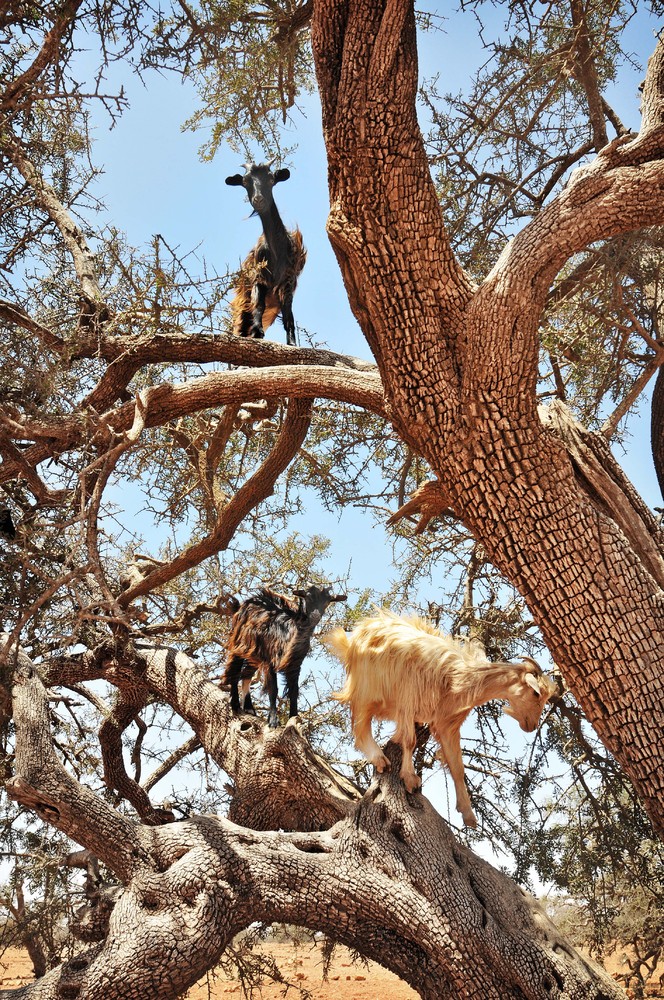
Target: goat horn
(529,659)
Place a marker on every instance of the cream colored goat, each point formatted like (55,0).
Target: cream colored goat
(405,670)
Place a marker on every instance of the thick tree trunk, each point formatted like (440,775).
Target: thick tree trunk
(459,366)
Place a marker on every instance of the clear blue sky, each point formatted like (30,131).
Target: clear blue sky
(155,182)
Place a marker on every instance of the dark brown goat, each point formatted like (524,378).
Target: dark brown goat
(271,634)
(268,276)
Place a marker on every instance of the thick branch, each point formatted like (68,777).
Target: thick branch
(14,314)
(115,774)
(257,488)
(24,84)
(292,789)
(604,481)
(167,402)
(42,784)
(652,102)
(587,73)
(127,355)
(395,885)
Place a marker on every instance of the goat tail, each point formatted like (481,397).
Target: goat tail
(338,643)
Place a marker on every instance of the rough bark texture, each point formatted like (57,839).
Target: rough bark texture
(389,878)
(459,367)
(456,373)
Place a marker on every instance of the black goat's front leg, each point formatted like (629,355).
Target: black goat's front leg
(256,330)
(292,691)
(233,671)
(238,669)
(272,692)
(289,320)
(245,698)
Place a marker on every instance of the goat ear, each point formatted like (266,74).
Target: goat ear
(281,175)
(340,597)
(298,593)
(235,180)
(532,682)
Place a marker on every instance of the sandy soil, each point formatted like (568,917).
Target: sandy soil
(302,966)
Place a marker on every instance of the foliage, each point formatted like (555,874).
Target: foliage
(499,153)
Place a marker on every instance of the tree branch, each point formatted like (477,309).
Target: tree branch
(42,784)
(251,493)
(24,84)
(263,796)
(72,235)
(396,886)
(587,73)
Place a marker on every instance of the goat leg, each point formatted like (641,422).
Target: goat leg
(451,748)
(256,330)
(366,744)
(272,690)
(292,690)
(288,319)
(246,703)
(405,735)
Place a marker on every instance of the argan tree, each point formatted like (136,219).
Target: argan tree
(118,368)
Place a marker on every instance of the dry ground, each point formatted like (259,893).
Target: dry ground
(301,965)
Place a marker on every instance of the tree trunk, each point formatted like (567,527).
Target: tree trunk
(459,366)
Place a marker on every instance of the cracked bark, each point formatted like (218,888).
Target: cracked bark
(388,878)
(460,376)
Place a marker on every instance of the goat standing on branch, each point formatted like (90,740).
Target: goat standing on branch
(272,635)
(267,279)
(405,670)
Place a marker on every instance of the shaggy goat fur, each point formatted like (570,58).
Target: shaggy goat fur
(271,634)
(254,275)
(268,277)
(405,670)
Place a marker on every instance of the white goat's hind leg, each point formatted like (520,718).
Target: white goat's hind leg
(406,737)
(451,748)
(366,744)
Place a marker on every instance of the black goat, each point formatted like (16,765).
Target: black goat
(269,274)
(272,634)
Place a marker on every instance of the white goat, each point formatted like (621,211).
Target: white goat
(405,670)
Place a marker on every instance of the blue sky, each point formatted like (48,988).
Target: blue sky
(154,182)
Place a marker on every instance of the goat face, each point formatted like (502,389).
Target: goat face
(316,599)
(258,182)
(527,697)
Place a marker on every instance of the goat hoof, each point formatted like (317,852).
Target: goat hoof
(273,722)
(470,820)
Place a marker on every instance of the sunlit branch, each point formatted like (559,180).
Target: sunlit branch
(22,89)
(42,783)
(14,314)
(587,73)
(253,491)
(72,235)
